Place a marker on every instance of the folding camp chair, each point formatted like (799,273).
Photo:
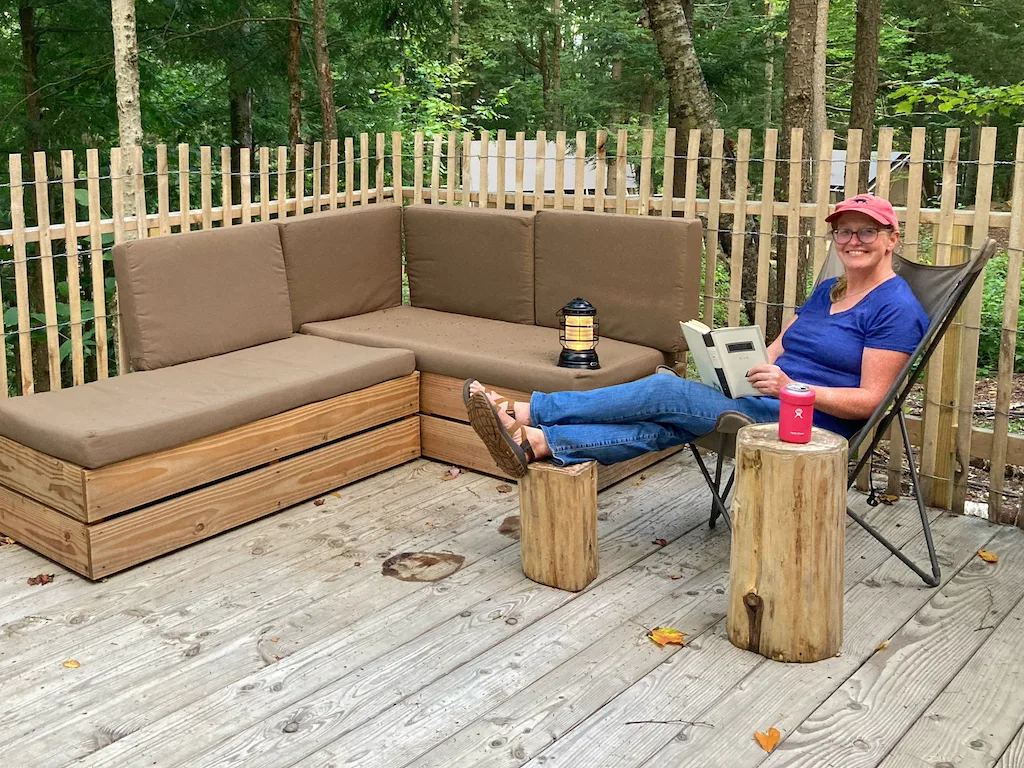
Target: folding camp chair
(941,291)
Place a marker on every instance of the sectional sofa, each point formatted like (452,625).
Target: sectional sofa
(274,362)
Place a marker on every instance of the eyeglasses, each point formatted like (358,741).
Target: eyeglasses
(866,235)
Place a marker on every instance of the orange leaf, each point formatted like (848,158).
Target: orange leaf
(769,740)
(42,578)
(675,576)
(319,502)
(988,557)
(664,636)
(4,540)
(72,664)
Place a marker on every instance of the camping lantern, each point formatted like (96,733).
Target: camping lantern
(577,323)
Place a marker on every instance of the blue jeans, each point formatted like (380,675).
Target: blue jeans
(618,423)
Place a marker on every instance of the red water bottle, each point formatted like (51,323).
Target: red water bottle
(796,414)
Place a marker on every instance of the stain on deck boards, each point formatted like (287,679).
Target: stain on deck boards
(422,566)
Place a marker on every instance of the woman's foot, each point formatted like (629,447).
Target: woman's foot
(519,411)
(511,443)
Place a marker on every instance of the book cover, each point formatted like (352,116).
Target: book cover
(724,355)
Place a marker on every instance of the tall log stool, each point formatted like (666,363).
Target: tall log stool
(788,537)
(558,524)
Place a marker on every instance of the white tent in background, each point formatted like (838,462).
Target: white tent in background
(530,168)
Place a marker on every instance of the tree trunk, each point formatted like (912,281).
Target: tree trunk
(294,84)
(545,79)
(556,67)
(240,93)
(126,74)
(865,78)
(769,66)
(454,50)
(647,104)
(324,77)
(819,120)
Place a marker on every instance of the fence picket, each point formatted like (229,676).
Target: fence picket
(739,224)
(767,227)
(520,160)
(621,151)
(21,274)
(435,171)
(46,268)
(467,175)
(601,180)
(417,178)
(396,167)
(364,169)
(883,171)
(668,172)
(793,223)
(332,175)
(714,215)
(579,191)
(163,204)
(540,171)
(117,213)
(99,287)
(851,175)
(139,183)
(380,164)
(451,171)
(264,183)
(300,180)
(502,150)
(282,182)
(692,159)
(485,161)
(184,193)
(646,150)
(317,172)
(559,201)
(915,185)
(226,210)
(245,184)
(823,173)
(350,171)
(67,170)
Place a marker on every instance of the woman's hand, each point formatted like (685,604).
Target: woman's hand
(768,379)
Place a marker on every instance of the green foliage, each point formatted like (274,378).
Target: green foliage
(992,302)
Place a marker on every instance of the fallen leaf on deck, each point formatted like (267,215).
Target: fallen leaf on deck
(882,646)
(319,502)
(888,499)
(451,473)
(988,557)
(660,542)
(665,636)
(768,740)
(42,578)
(675,576)
(72,664)
(504,488)
(6,540)
(357,564)
(275,639)
(336,494)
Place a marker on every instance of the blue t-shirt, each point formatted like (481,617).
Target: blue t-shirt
(826,350)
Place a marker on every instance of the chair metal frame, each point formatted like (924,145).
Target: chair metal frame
(888,410)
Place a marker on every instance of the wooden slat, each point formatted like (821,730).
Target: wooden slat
(559,202)
(350,166)
(145,479)
(467,169)
(502,152)
(883,167)
(435,171)
(982,442)
(332,175)
(851,177)
(133,538)
(442,396)
(767,228)
(300,180)
(417,179)
(163,202)
(520,161)
(485,161)
(139,184)
(264,183)
(692,160)
(540,171)
(226,205)
(646,151)
(50,481)
(915,184)
(184,191)
(45,530)
(941,386)
(739,224)
(971,316)
(117,206)
(712,238)
(451,169)
(601,170)
(205,186)
(621,150)
(317,170)
(381,164)
(67,169)
(46,270)
(792,257)
(580,183)
(999,509)
(99,288)
(396,166)
(668,172)
(245,184)
(823,173)
(282,182)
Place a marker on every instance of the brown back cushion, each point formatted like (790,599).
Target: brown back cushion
(343,263)
(641,273)
(470,261)
(190,296)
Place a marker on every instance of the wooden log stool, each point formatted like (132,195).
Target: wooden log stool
(788,538)
(558,524)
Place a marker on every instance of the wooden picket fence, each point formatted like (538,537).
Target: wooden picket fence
(92,220)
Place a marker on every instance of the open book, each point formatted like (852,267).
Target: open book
(724,355)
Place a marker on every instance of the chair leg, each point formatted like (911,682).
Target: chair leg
(717,504)
(719,463)
(932,580)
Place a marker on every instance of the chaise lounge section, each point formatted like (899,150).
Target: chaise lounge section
(274,362)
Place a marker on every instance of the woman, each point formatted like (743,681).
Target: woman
(848,342)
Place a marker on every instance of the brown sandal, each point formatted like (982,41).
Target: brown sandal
(508,405)
(510,456)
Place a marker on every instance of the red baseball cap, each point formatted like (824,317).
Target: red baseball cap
(878,208)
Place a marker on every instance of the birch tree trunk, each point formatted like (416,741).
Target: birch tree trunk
(294,85)
(865,78)
(324,76)
(819,120)
(126,74)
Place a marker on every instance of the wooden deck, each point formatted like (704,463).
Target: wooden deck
(284,643)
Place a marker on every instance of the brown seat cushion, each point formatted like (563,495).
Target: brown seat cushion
(198,294)
(470,261)
(641,273)
(503,354)
(115,419)
(343,263)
